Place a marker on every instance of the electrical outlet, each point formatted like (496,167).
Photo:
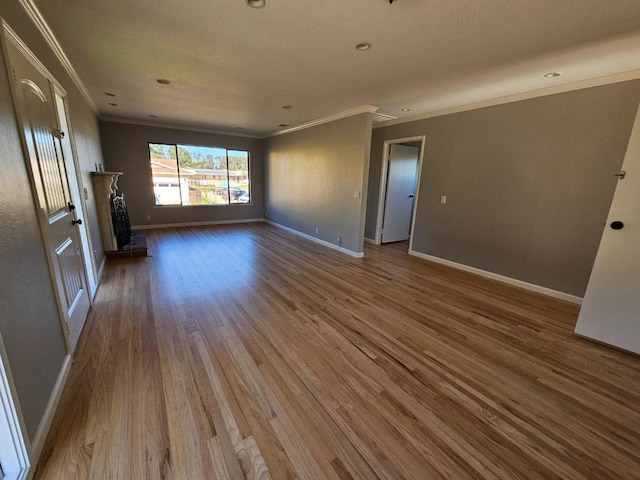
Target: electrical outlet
(148,218)
(356,194)
(443,199)
(339,240)
(317,230)
(266,214)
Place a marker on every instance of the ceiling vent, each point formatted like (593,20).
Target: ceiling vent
(381,117)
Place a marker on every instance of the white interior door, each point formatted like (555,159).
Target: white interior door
(401,189)
(76,194)
(37,113)
(610,311)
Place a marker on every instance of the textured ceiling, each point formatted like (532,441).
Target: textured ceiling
(233,67)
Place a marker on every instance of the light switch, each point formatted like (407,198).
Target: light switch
(443,199)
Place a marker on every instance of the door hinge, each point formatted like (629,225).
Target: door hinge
(621,175)
(59,134)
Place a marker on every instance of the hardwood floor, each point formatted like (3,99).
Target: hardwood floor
(246,352)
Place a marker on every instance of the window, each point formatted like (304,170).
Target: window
(191,175)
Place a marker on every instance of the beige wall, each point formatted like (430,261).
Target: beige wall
(126,149)
(29,319)
(312,175)
(528,183)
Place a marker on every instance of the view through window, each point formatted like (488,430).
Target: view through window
(192,175)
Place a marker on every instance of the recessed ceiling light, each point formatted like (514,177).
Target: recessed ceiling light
(287,107)
(109,94)
(362,46)
(256,3)
(282,125)
(113,104)
(552,74)
(405,109)
(163,81)
(153,116)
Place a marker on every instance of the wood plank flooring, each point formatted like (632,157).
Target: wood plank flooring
(245,352)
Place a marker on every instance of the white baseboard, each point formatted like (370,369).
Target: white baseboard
(369,240)
(195,224)
(99,277)
(49,412)
(317,240)
(501,278)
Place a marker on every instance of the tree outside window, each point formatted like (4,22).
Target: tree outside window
(192,175)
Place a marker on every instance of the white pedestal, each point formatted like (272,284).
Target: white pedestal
(105,186)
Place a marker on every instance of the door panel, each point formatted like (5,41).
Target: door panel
(52,172)
(67,264)
(76,192)
(37,114)
(401,186)
(610,311)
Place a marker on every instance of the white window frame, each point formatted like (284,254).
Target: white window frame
(14,453)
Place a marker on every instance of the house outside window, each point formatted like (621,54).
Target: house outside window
(185,175)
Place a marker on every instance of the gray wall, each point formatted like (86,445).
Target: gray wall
(528,184)
(126,149)
(29,320)
(312,175)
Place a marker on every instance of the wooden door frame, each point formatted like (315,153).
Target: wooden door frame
(384,173)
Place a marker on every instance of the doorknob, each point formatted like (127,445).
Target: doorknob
(76,222)
(617,225)
(411,195)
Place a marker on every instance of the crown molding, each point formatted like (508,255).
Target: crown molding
(175,126)
(41,24)
(330,118)
(567,87)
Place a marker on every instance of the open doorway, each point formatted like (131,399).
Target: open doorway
(399,181)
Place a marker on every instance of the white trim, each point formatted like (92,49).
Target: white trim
(100,273)
(173,126)
(369,240)
(317,240)
(17,42)
(41,24)
(542,92)
(383,184)
(330,118)
(195,224)
(415,200)
(14,452)
(500,278)
(50,410)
